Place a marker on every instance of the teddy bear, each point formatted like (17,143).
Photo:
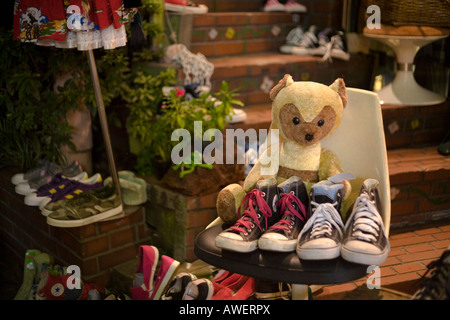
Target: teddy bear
(304,113)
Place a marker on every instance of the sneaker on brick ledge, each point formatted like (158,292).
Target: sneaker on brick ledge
(186,6)
(282,236)
(256,213)
(320,238)
(87,208)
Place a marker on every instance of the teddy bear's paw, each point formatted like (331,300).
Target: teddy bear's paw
(228,201)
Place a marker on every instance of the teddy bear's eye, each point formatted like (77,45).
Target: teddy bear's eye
(296,120)
(320,123)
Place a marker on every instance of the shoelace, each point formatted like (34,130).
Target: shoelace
(335,42)
(324,219)
(288,210)
(249,217)
(434,286)
(367,221)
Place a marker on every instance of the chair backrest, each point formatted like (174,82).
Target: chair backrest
(360,144)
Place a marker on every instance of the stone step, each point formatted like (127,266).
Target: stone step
(404,126)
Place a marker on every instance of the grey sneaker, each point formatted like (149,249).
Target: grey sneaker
(88,209)
(365,240)
(293,204)
(320,238)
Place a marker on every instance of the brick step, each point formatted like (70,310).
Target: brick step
(404,126)
(255,74)
(234,33)
(420,185)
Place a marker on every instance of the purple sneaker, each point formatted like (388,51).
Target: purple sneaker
(73,189)
(58,184)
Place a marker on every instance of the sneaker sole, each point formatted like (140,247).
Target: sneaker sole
(236,245)
(279,246)
(33,201)
(364,258)
(318,254)
(86,221)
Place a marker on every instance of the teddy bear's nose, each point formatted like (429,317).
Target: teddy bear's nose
(309,137)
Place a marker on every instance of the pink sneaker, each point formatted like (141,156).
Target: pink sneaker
(294,6)
(184,6)
(274,5)
(143,281)
(166,270)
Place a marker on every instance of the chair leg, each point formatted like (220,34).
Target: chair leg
(300,292)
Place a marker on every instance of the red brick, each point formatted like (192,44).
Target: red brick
(94,246)
(399,278)
(122,237)
(401,208)
(411,240)
(409,267)
(207,201)
(427,231)
(443,244)
(442,235)
(420,256)
(200,218)
(116,257)
(418,248)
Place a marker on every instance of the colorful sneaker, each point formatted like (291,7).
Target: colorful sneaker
(200,289)
(308,43)
(293,6)
(166,270)
(274,6)
(320,238)
(436,286)
(79,200)
(186,6)
(58,184)
(365,240)
(145,272)
(91,210)
(75,188)
(282,236)
(257,212)
(177,286)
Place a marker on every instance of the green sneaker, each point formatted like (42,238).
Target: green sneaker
(79,200)
(93,207)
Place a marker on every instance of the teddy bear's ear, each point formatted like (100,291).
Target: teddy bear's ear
(286,81)
(339,86)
